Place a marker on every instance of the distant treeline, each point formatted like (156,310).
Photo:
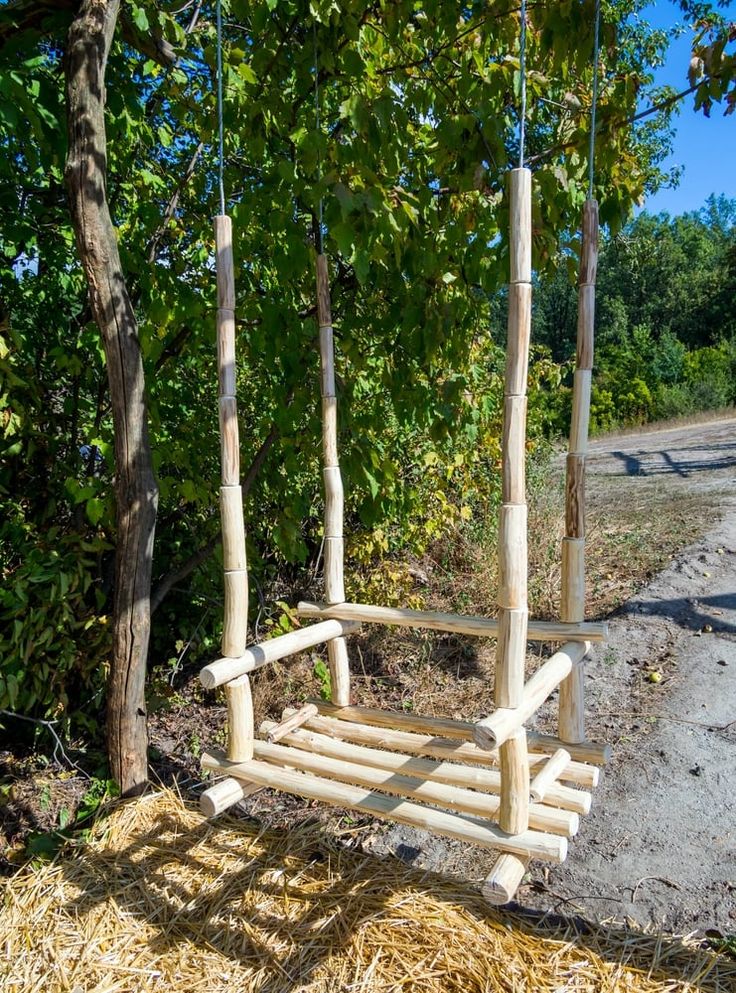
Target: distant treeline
(665,321)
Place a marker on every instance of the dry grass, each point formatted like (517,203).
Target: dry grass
(162,901)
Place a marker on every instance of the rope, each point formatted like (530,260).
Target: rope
(318,232)
(522,82)
(220,125)
(594,104)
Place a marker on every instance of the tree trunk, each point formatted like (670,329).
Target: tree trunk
(89,40)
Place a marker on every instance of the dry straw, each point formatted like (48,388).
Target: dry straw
(161,900)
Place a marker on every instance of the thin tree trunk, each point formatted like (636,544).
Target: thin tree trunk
(89,40)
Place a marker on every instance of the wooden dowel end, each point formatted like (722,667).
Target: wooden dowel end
(550,772)
(225,794)
(504,879)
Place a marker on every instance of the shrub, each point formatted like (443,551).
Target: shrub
(53,641)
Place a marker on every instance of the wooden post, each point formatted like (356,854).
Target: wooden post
(337,652)
(513,612)
(239,719)
(235,627)
(572,598)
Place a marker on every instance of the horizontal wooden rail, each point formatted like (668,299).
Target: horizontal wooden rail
(498,727)
(375,734)
(486,780)
(461,827)
(445,727)
(541,817)
(481,627)
(223,670)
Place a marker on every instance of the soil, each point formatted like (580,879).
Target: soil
(659,846)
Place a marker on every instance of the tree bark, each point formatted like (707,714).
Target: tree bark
(89,40)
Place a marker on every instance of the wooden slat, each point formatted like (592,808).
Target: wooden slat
(541,817)
(552,848)
(436,620)
(372,727)
(468,777)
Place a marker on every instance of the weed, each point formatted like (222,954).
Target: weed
(322,672)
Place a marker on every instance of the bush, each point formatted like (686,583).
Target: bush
(673,401)
(53,642)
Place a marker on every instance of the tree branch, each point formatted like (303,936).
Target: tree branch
(31,15)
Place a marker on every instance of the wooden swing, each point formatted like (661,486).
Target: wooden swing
(490,783)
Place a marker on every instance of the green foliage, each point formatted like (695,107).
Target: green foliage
(54,637)
(322,673)
(44,845)
(666,319)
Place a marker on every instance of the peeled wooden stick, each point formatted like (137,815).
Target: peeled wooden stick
(548,775)
(541,816)
(225,669)
(502,723)
(275,732)
(572,605)
(513,613)
(504,879)
(224,794)
(435,620)
(485,780)
(235,627)
(552,848)
(378,735)
(514,808)
(334,552)
(445,727)
(239,719)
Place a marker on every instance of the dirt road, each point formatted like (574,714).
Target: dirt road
(660,843)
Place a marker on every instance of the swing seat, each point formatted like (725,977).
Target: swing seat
(426,772)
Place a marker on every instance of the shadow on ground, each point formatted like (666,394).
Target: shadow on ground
(286,913)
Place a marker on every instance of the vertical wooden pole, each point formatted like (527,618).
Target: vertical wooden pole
(513,611)
(239,719)
(572,599)
(235,627)
(337,652)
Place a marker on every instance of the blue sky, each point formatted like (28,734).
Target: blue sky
(705,147)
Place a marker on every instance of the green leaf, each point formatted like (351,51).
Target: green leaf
(95,509)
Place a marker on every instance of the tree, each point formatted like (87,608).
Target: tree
(88,46)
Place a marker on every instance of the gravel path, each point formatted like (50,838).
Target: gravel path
(660,843)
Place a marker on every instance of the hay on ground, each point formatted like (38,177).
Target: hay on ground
(161,900)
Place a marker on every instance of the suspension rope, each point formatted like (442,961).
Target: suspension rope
(220,125)
(318,232)
(522,82)
(594,103)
